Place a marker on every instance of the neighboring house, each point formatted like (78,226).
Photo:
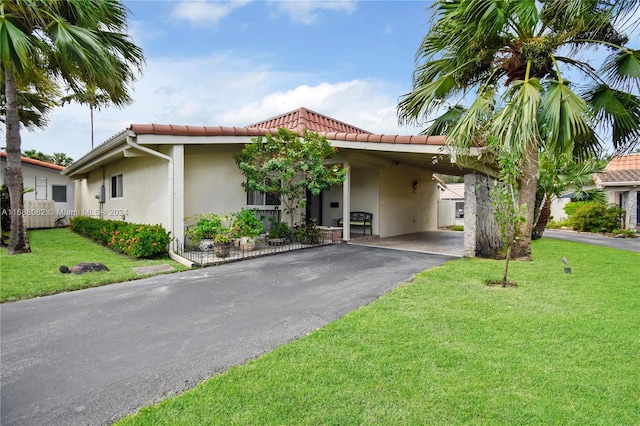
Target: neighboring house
(43,182)
(621,182)
(454,192)
(151,173)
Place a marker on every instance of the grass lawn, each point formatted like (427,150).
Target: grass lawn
(36,274)
(446,349)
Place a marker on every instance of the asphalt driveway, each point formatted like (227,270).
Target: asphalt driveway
(630,244)
(93,356)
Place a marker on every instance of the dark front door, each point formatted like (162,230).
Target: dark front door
(314,208)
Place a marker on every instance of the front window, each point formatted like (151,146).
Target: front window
(116,186)
(268,206)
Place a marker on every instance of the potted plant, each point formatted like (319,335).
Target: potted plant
(247,226)
(279,234)
(204,229)
(222,242)
(308,233)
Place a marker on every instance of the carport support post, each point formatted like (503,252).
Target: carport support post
(481,232)
(346,203)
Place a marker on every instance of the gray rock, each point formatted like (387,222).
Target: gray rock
(81,268)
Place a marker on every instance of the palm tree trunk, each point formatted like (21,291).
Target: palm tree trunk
(527,196)
(91,109)
(18,242)
(543,219)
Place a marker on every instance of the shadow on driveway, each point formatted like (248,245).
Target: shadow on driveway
(95,355)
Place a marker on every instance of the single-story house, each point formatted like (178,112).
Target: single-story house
(154,173)
(621,182)
(454,192)
(43,182)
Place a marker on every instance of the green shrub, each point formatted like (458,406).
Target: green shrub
(135,240)
(627,233)
(596,217)
(570,208)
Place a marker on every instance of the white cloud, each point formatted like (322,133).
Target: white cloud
(307,12)
(367,104)
(205,13)
(221,90)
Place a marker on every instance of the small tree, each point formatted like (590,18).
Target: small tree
(289,165)
(508,214)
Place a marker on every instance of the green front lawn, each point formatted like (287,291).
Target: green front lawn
(36,274)
(446,349)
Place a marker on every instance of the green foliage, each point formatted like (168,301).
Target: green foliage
(287,164)
(570,208)
(280,230)
(59,158)
(596,217)
(135,240)
(210,226)
(247,224)
(36,274)
(626,233)
(206,225)
(308,233)
(507,213)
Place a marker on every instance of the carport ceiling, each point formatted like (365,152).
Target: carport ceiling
(438,163)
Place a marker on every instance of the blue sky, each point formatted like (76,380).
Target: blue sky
(236,63)
(239,62)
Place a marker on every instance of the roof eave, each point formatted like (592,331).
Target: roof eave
(79,167)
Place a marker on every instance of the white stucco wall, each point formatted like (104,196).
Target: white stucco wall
(145,192)
(213,181)
(53,177)
(330,214)
(403,211)
(365,194)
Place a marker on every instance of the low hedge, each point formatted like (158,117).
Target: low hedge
(135,240)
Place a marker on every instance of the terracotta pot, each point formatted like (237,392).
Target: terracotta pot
(222,250)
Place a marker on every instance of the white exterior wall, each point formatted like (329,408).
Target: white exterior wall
(145,196)
(53,177)
(365,195)
(213,181)
(403,211)
(331,214)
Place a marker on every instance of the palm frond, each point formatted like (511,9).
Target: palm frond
(620,112)
(423,100)
(563,117)
(444,123)
(622,68)
(470,127)
(516,125)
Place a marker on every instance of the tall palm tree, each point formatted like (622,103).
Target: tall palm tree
(514,56)
(95,99)
(66,42)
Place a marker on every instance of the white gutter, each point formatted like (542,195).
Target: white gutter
(628,183)
(173,255)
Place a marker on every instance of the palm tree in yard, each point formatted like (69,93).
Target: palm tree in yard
(514,57)
(70,43)
(95,99)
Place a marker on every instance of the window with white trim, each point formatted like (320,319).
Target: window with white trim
(116,186)
(268,205)
(41,188)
